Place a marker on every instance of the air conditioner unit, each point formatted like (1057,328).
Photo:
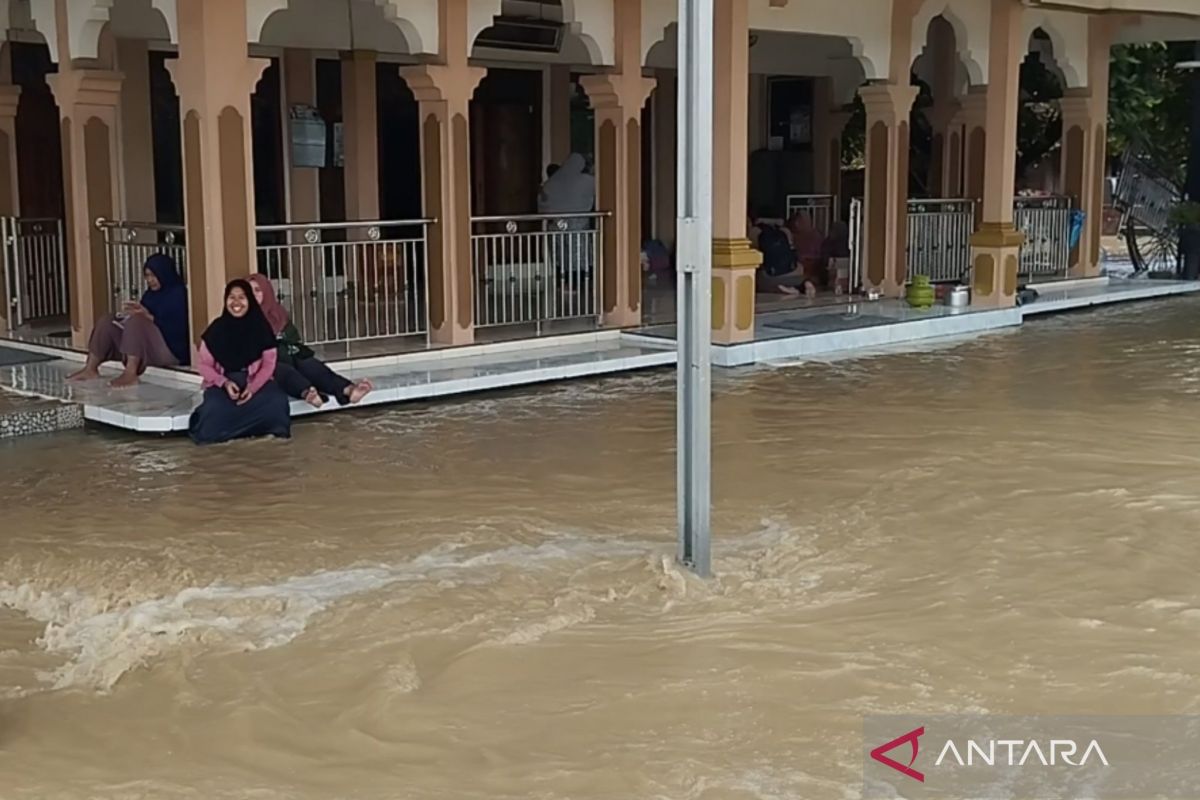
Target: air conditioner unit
(528,35)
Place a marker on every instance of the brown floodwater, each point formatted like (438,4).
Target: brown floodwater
(478,599)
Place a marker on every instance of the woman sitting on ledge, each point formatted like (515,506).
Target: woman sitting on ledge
(237,362)
(151,333)
(298,371)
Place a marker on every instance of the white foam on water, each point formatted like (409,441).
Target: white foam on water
(104,638)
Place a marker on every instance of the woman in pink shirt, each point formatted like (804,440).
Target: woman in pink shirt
(237,363)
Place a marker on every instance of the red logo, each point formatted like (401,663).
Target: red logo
(906,769)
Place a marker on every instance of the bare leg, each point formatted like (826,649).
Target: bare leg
(90,371)
(130,376)
(103,345)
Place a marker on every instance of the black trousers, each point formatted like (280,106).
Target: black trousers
(311,373)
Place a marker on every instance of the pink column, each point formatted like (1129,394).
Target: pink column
(829,123)
(618,98)
(444,92)
(88,101)
(300,89)
(885,200)
(734,261)
(10,203)
(995,247)
(1084,147)
(361,136)
(215,77)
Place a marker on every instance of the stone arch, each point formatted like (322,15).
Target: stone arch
(592,23)
(1041,46)
(153,20)
(257,14)
(1068,37)
(358,24)
(480,15)
(969,23)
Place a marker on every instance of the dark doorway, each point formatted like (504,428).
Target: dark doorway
(267,125)
(39,143)
(506,142)
(399,147)
(168,143)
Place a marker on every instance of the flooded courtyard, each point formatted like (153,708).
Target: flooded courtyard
(478,599)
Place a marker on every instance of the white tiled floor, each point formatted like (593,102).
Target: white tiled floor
(1117,290)
(156,406)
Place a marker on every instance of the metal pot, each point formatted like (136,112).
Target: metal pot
(959,297)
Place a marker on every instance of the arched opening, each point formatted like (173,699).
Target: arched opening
(1039,122)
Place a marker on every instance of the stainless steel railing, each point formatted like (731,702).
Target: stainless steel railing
(35,269)
(536,268)
(856,224)
(127,245)
(821,209)
(350,281)
(939,238)
(1046,223)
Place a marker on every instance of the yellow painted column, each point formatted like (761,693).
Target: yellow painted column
(995,247)
(137,133)
(10,200)
(734,261)
(215,77)
(361,136)
(885,199)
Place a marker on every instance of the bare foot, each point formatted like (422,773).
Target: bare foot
(810,290)
(124,381)
(360,390)
(790,291)
(85,374)
(313,398)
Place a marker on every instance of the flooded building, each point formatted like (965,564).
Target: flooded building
(382,161)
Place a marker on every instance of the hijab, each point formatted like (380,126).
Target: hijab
(272,309)
(570,190)
(237,342)
(169,305)
(806,239)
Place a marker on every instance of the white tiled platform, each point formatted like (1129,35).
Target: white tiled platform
(851,326)
(164,399)
(1052,298)
(800,333)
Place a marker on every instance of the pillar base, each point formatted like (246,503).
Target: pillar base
(995,257)
(621,317)
(734,264)
(452,336)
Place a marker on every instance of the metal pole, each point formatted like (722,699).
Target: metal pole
(694,257)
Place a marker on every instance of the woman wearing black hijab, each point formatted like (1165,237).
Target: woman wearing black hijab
(237,362)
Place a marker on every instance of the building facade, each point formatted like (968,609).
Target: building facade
(381,159)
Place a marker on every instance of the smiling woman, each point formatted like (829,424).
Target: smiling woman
(237,363)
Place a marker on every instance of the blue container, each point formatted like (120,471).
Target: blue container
(1077,219)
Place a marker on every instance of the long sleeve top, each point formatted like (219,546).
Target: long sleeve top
(260,371)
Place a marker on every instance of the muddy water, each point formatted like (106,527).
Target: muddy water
(478,599)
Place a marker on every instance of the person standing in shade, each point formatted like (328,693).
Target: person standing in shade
(150,333)
(298,371)
(237,363)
